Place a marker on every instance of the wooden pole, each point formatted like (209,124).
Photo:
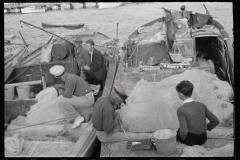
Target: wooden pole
(23,83)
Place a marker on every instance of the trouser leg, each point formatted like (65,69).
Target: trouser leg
(71,106)
(117,136)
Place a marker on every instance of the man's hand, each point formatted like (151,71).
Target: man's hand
(86,67)
(60,91)
(117,119)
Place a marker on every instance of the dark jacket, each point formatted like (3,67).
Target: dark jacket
(97,66)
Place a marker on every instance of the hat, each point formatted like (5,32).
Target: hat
(57,70)
(183,7)
(121,93)
(78,40)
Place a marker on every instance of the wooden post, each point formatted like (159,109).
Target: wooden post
(84,5)
(23,83)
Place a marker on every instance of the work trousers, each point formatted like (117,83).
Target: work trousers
(91,79)
(76,105)
(192,139)
(117,136)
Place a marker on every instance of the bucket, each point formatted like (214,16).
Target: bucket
(23,92)
(165,142)
(9,93)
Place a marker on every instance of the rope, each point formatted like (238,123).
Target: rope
(14,145)
(47,122)
(19,74)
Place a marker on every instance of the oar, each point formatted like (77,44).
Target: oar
(47,32)
(207,12)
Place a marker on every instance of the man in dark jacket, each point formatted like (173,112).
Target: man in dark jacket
(95,73)
(108,123)
(192,117)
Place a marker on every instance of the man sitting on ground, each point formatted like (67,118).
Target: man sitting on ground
(76,94)
(192,117)
(108,123)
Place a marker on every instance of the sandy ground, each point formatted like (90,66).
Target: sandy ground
(129,17)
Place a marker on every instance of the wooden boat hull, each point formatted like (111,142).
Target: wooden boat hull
(69,26)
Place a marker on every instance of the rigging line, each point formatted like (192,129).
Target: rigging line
(46,122)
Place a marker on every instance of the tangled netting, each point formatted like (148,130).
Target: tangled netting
(44,111)
(200,151)
(152,105)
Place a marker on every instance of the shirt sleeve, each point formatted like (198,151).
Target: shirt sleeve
(108,121)
(98,62)
(182,124)
(69,88)
(212,118)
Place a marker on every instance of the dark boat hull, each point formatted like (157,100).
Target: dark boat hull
(69,26)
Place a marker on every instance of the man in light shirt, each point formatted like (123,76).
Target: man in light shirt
(192,117)
(95,73)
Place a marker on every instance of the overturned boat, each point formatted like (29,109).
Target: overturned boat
(65,25)
(154,59)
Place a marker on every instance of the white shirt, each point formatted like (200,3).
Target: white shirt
(187,100)
(91,55)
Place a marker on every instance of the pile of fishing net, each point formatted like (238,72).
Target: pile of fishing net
(152,105)
(45,110)
(200,151)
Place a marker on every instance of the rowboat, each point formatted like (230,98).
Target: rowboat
(69,26)
(146,56)
(102,5)
(29,73)
(33,9)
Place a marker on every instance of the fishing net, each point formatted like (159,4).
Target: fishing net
(46,110)
(152,105)
(44,149)
(200,151)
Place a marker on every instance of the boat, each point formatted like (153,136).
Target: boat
(147,56)
(33,9)
(69,26)
(28,72)
(102,5)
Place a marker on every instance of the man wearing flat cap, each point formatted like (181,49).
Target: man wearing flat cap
(108,123)
(76,95)
(82,55)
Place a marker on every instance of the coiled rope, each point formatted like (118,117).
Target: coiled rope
(14,145)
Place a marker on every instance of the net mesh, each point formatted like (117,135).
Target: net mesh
(152,105)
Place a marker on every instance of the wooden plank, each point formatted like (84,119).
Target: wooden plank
(111,75)
(8,72)
(24,83)
(15,53)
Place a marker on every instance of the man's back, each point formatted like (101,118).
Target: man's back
(103,113)
(195,114)
(75,85)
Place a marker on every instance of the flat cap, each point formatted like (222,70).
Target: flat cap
(121,93)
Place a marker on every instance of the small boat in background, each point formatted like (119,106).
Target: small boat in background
(66,25)
(33,9)
(102,5)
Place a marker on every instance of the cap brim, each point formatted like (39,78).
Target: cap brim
(124,102)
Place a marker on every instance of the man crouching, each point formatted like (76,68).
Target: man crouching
(77,96)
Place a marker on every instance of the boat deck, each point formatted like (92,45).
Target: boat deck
(119,149)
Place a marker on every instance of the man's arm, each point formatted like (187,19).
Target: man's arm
(212,118)
(69,89)
(108,121)
(182,124)
(99,62)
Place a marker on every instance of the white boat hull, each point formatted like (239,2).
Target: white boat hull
(102,5)
(24,10)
